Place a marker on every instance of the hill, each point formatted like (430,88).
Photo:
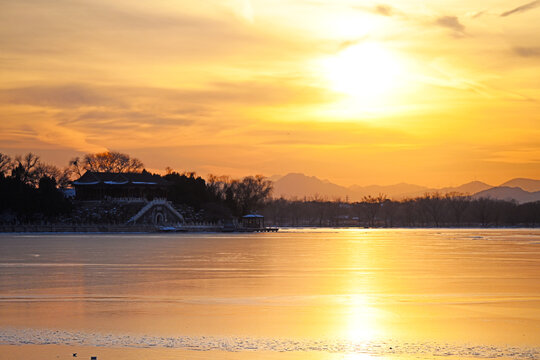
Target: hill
(300,186)
(295,185)
(530,185)
(509,193)
(469,188)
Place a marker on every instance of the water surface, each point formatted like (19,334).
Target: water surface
(302,294)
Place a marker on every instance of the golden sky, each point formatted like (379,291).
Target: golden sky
(358,92)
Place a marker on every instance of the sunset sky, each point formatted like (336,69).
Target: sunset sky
(429,92)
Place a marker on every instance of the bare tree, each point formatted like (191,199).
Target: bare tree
(135,165)
(482,210)
(62,177)
(372,206)
(389,209)
(47,170)
(251,192)
(244,195)
(25,168)
(434,206)
(6,164)
(458,203)
(190,174)
(218,186)
(75,167)
(111,161)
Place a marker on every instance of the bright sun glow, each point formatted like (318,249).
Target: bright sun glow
(360,324)
(367,71)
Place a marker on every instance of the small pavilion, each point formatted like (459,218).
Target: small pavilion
(253,221)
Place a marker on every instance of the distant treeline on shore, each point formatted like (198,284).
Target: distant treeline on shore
(430,210)
(33,192)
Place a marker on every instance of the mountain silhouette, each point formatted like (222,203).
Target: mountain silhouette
(530,185)
(300,186)
(469,188)
(295,185)
(509,193)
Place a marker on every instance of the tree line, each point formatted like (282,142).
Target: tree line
(32,190)
(24,177)
(430,210)
(30,168)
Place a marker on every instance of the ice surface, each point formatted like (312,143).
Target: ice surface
(14,336)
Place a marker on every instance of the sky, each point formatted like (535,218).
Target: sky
(435,93)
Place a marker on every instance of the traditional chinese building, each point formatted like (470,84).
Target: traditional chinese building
(253,221)
(108,185)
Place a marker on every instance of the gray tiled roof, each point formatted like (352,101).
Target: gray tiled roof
(110,178)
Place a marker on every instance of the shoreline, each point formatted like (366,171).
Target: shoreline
(152,229)
(97,228)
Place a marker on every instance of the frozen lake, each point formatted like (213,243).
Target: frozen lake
(296,294)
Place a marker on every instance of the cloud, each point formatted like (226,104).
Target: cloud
(522,8)
(42,129)
(450,22)
(116,120)
(446,75)
(521,153)
(53,133)
(476,14)
(87,117)
(379,9)
(345,44)
(527,51)
(384,10)
(62,96)
(100,34)
(265,91)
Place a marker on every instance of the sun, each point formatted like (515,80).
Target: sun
(365,71)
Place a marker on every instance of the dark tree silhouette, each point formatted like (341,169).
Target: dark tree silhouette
(187,189)
(6,164)
(251,193)
(372,206)
(457,203)
(241,196)
(112,161)
(25,168)
(434,206)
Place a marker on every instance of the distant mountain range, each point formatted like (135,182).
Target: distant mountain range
(509,193)
(300,186)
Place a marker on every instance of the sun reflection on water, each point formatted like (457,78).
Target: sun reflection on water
(360,321)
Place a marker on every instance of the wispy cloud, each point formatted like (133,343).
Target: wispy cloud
(515,155)
(447,76)
(522,8)
(380,9)
(385,10)
(476,14)
(271,91)
(451,22)
(89,117)
(348,43)
(527,51)
(59,96)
